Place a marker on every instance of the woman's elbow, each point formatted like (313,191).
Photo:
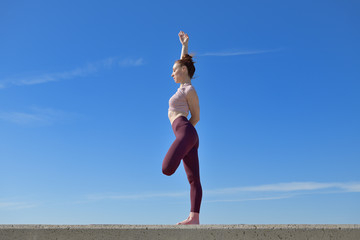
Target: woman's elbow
(196,117)
(195,120)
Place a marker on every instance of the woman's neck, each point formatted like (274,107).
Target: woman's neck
(185,81)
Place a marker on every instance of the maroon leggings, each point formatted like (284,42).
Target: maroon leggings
(185,147)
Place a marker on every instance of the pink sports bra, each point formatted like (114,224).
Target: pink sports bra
(178,102)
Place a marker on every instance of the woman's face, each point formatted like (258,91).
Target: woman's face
(178,73)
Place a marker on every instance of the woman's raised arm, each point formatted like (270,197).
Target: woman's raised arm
(184,39)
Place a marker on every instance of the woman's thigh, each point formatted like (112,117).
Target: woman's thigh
(176,152)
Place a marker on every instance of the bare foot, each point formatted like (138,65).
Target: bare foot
(192,219)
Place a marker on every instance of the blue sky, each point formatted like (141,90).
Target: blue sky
(84,90)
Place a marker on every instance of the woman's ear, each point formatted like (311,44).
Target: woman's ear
(183,68)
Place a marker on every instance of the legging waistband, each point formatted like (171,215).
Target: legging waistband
(182,125)
(180,119)
(179,122)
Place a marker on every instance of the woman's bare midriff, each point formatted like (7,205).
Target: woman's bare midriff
(174,115)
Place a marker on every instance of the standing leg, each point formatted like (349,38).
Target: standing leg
(191,165)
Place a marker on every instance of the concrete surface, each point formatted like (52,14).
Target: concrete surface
(169,232)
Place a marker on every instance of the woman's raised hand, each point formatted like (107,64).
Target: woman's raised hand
(184,38)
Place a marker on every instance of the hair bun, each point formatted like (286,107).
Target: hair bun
(187,56)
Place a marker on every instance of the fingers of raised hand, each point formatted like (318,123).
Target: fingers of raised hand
(183,37)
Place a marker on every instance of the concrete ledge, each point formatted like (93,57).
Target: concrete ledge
(169,232)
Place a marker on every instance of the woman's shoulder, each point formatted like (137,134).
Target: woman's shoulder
(188,87)
(190,92)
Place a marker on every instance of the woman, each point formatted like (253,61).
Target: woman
(185,147)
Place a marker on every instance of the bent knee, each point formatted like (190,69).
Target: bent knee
(168,172)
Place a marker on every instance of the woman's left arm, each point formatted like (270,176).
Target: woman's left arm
(193,101)
(184,39)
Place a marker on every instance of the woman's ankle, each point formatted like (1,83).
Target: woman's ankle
(194,215)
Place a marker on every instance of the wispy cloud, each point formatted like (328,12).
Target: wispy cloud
(35,116)
(237,53)
(252,199)
(15,205)
(279,191)
(131,62)
(291,187)
(86,70)
(248,193)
